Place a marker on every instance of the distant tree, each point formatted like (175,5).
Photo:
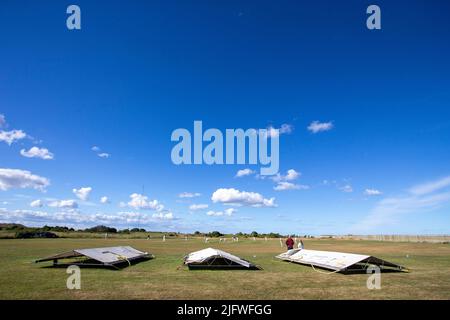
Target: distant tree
(56,228)
(274,235)
(254,234)
(215,234)
(101,229)
(11,226)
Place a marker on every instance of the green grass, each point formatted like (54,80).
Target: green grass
(163,278)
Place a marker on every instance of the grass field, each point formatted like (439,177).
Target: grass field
(161,278)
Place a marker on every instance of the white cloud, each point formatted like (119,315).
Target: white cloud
(82,193)
(421,198)
(163,215)
(347,188)
(37,204)
(283,185)
(198,207)
(286,128)
(189,195)
(372,192)
(104,155)
(430,187)
(329,183)
(64,204)
(276,132)
(36,152)
(76,218)
(230,211)
(2,121)
(278,177)
(11,136)
(139,201)
(290,176)
(244,172)
(13,215)
(104,200)
(233,196)
(100,154)
(227,212)
(122,204)
(317,126)
(15,178)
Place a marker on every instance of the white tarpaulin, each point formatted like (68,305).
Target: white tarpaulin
(337,261)
(109,256)
(215,258)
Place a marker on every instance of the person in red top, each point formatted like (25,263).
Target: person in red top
(290,243)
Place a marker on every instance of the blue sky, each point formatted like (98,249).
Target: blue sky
(137,71)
